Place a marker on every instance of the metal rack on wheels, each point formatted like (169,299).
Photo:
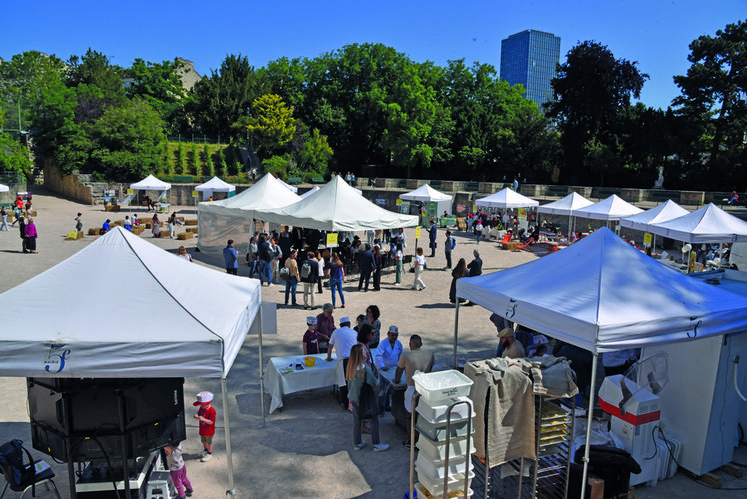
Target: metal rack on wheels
(545,476)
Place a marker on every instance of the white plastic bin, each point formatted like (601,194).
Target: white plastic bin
(437,431)
(436,451)
(436,487)
(436,388)
(437,470)
(439,412)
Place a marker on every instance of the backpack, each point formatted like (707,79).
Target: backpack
(453,243)
(305,270)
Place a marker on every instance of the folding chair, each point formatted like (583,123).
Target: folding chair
(507,238)
(21,477)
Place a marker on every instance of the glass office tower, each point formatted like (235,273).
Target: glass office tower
(531,58)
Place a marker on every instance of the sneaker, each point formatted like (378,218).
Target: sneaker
(190,492)
(206,458)
(380,447)
(406,444)
(360,445)
(203,453)
(398,284)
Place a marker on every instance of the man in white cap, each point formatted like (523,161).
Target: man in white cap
(388,352)
(206,417)
(342,340)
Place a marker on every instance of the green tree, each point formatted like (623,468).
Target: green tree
(161,85)
(271,124)
(315,153)
(591,89)
(94,69)
(219,101)
(14,156)
(181,164)
(713,98)
(207,162)
(127,140)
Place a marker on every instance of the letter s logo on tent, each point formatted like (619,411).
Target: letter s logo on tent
(56,357)
(511,308)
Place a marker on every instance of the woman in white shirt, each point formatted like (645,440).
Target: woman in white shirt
(320,261)
(398,261)
(418,284)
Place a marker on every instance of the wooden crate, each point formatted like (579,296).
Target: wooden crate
(185,235)
(190,221)
(191,229)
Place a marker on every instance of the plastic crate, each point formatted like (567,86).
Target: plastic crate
(437,431)
(436,451)
(439,412)
(439,387)
(436,487)
(437,470)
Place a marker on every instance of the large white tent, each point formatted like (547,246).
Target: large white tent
(337,207)
(664,212)
(505,199)
(709,224)
(233,218)
(151,183)
(197,330)
(604,295)
(215,184)
(425,193)
(566,206)
(611,209)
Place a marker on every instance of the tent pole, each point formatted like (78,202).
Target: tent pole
(229,457)
(261,367)
(589,414)
(456,331)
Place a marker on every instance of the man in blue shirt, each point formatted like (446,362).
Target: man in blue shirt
(432,234)
(475,266)
(231,257)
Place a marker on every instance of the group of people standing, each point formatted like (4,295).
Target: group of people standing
(26,225)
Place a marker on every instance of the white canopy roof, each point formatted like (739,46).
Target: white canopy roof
(335,207)
(425,193)
(310,192)
(291,188)
(4,188)
(506,198)
(662,213)
(565,206)
(709,224)
(612,208)
(216,185)
(267,192)
(151,183)
(601,294)
(122,307)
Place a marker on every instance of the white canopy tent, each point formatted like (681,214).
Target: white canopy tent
(506,198)
(198,331)
(337,207)
(5,188)
(664,212)
(427,194)
(605,295)
(151,183)
(214,185)
(291,188)
(611,209)
(310,192)
(233,218)
(566,206)
(709,224)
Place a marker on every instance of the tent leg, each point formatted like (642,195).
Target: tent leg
(229,456)
(456,331)
(589,414)
(261,368)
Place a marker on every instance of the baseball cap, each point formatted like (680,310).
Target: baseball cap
(203,398)
(311,320)
(393,330)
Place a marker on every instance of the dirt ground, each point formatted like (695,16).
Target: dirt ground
(305,449)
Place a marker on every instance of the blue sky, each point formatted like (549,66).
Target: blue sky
(656,33)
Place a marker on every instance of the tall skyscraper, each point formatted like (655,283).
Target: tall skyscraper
(530,58)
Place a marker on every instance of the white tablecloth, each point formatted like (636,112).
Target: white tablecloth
(322,374)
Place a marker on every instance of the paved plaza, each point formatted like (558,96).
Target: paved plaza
(305,449)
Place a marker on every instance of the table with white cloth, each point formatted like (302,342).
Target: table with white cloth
(281,381)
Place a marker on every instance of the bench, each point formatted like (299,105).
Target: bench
(665,195)
(294,180)
(472,186)
(183,178)
(318,180)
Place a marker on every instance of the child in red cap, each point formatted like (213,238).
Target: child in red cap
(206,417)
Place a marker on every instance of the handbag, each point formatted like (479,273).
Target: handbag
(285,274)
(368,402)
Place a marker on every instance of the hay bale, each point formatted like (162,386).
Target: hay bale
(138,229)
(148,225)
(93,232)
(181,219)
(185,235)
(163,233)
(190,221)
(74,235)
(191,229)
(31,213)
(118,223)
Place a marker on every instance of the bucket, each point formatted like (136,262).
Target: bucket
(309,361)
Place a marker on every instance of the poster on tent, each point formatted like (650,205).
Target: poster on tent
(332,240)
(404,207)
(647,238)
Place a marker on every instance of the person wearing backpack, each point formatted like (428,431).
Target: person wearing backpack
(265,257)
(449,245)
(309,276)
